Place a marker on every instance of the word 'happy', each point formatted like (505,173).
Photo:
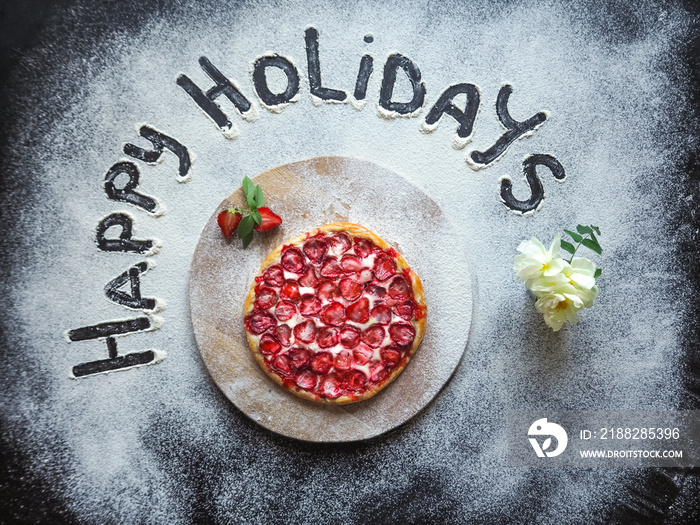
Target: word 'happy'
(388,107)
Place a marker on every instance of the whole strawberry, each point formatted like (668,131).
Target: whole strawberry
(246,221)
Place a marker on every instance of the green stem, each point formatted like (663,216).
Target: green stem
(577,247)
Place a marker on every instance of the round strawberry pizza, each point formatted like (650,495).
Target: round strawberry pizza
(335,315)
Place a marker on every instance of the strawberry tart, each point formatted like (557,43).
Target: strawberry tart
(335,315)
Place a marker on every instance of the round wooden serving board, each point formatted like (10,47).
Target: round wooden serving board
(307,195)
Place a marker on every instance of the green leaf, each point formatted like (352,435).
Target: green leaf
(594,237)
(257,217)
(245,227)
(575,236)
(590,244)
(247,239)
(597,273)
(259,197)
(249,191)
(568,247)
(597,230)
(583,230)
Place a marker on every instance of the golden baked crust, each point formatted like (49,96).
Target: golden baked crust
(418,320)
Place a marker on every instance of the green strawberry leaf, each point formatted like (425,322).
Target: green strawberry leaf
(583,230)
(259,197)
(590,244)
(247,239)
(245,227)
(597,273)
(565,246)
(256,216)
(575,236)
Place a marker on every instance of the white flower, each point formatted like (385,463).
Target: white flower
(535,261)
(558,308)
(562,288)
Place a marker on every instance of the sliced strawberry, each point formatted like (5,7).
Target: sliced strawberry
(384,267)
(298,357)
(349,336)
(269,345)
(340,243)
(316,249)
(343,360)
(274,275)
(290,291)
(333,314)
(362,354)
(305,332)
(375,291)
(390,356)
(378,372)
(359,311)
(363,247)
(373,336)
(322,362)
(354,380)
(364,276)
(381,313)
(306,379)
(270,220)
(350,264)
(309,278)
(331,268)
(350,289)
(327,291)
(281,364)
(399,289)
(327,337)
(228,222)
(309,305)
(402,333)
(265,297)
(330,386)
(405,310)
(293,260)
(283,333)
(285,310)
(259,321)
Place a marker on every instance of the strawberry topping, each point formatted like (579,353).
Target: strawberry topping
(350,264)
(350,289)
(260,321)
(402,333)
(322,362)
(350,309)
(349,336)
(283,333)
(381,313)
(315,249)
(293,260)
(285,310)
(359,311)
(265,297)
(290,291)
(340,243)
(274,275)
(305,332)
(333,314)
(328,291)
(331,268)
(373,336)
(327,337)
(309,305)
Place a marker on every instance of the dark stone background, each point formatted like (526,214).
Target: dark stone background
(665,496)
